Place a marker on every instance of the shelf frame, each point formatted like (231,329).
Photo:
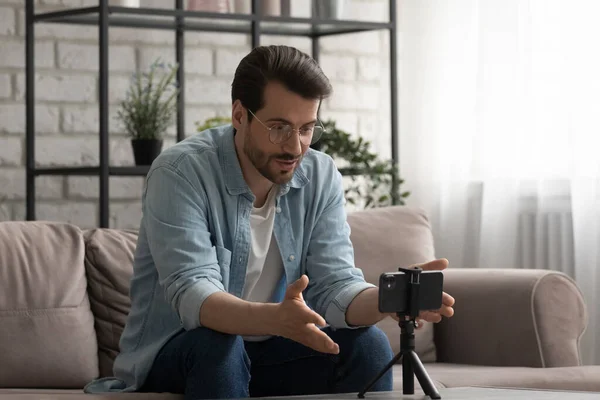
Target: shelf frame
(179,21)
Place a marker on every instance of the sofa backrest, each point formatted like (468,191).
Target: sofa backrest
(47,336)
(384,239)
(64,295)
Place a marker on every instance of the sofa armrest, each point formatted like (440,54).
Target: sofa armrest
(511,317)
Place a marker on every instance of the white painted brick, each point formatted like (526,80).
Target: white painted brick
(217,39)
(84,215)
(12,54)
(197,61)
(18,210)
(117,88)
(192,116)
(49,187)
(369,69)
(338,67)
(5,212)
(367,10)
(66,151)
(346,121)
(353,43)
(85,57)
(63,88)
(199,115)
(369,97)
(8,22)
(70,3)
(59,31)
(87,187)
(211,91)
(85,119)
(227,61)
(121,152)
(12,118)
(125,215)
(11,151)
(141,36)
(369,126)
(5,86)
(12,182)
(344,97)
(301,43)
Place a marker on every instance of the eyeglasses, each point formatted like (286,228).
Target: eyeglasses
(280,132)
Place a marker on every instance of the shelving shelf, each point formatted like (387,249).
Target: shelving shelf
(178,20)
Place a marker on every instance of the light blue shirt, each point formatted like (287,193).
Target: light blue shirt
(194,240)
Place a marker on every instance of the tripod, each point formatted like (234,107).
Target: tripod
(411,364)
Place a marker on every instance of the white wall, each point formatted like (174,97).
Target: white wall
(67,95)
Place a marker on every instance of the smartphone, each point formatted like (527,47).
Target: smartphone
(394,291)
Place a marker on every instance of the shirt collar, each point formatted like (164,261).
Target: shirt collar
(232,171)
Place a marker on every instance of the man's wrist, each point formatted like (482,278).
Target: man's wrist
(265,316)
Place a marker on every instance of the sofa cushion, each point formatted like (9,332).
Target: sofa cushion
(109,265)
(387,238)
(580,378)
(47,334)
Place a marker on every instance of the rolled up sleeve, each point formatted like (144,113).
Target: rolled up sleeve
(179,240)
(334,281)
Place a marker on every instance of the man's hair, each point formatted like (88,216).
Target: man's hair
(295,70)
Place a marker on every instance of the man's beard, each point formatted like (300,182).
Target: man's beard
(263,162)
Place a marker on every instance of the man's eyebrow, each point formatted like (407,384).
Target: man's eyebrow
(314,121)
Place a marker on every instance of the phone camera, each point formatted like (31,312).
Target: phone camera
(389,282)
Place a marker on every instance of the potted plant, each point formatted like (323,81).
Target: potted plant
(148,110)
(373,182)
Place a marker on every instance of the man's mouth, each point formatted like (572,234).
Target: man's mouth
(285,164)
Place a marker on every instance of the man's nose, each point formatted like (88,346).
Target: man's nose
(293,145)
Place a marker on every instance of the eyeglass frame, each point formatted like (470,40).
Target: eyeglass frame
(292,130)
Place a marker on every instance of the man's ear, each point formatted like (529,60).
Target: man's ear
(238,115)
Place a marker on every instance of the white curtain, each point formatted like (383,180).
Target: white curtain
(500,134)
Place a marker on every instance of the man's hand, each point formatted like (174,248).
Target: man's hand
(296,321)
(447,309)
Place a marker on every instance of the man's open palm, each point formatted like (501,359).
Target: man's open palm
(296,321)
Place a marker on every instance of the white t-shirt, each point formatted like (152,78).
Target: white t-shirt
(265,267)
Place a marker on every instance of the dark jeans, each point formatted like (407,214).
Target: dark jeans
(205,364)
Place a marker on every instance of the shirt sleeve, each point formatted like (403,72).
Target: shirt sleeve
(334,281)
(176,227)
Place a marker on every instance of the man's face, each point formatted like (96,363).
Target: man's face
(277,162)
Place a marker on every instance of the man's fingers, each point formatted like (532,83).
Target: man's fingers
(296,288)
(314,318)
(447,300)
(320,341)
(435,265)
(447,311)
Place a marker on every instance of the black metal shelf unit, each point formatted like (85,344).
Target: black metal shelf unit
(178,20)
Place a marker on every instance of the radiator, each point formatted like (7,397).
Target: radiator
(545,241)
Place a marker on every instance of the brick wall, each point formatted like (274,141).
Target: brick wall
(67,93)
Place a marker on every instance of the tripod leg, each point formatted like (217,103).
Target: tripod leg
(426,383)
(394,360)
(408,378)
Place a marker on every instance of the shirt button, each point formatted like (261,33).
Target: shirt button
(278,209)
(240,259)
(292,258)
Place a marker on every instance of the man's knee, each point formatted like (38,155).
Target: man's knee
(373,344)
(210,347)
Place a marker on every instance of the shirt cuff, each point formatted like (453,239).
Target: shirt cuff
(191,302)
(335,315)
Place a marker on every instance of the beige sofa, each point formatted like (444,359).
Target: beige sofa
(63,304)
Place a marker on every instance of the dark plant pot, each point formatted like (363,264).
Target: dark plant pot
(146,150)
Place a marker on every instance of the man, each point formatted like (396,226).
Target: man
(244,282)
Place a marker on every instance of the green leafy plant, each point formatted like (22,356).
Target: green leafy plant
(149,106)
(372,182)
